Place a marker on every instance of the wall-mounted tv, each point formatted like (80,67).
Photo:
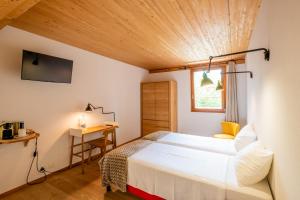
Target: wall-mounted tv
(41,67)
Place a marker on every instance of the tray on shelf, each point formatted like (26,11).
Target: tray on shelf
(29,136)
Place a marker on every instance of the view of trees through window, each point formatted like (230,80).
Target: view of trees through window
(207,97)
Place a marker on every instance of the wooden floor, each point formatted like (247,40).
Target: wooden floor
(70,185)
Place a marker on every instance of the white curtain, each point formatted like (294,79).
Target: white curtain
(232,114)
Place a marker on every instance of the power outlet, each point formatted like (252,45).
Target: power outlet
(49,166)
(42,169)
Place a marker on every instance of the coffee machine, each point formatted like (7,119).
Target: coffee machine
(7,131)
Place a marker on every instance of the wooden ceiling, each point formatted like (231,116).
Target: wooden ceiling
(12,9)
(151,34)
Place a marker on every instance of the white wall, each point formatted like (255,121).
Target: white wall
(200,123)
(274,94)
(52,108)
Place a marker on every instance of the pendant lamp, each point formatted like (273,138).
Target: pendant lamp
(205,80)
(219,86)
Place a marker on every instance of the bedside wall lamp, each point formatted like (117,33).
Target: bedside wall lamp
(206,80)
(91,107)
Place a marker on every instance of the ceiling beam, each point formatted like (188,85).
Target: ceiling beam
(11,10)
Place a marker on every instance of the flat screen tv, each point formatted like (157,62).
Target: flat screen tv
(41,67)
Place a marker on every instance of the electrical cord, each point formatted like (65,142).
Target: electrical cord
(41,170)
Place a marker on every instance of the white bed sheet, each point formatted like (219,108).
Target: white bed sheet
(177,173)
(211,144)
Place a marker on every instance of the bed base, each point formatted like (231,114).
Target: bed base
(141,194)
(138,193)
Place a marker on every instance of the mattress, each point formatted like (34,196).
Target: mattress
(199,142)
(176,173)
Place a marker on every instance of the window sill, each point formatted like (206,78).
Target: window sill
(208,110)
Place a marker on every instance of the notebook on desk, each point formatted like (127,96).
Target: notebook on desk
(110,123)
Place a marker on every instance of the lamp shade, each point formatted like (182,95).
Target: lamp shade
(219,86)
(205,80)
(88,108)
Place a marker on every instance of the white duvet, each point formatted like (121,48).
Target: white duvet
(177,173)
(199,142)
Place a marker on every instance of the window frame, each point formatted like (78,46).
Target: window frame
(223,80)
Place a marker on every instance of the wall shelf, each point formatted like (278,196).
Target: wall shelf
(30,136)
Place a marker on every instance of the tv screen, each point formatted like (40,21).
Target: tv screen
(41,67)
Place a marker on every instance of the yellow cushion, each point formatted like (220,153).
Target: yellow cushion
(230,128)
(224,136)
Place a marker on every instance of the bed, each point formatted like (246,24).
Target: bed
(173,172)
(211,144)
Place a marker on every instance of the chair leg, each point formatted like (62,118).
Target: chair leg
(82,154)
(71,153)
(90,154)
(104,150)
(101,154)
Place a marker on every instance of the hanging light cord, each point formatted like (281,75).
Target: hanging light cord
(41,170)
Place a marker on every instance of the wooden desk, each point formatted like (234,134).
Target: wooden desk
(81,133)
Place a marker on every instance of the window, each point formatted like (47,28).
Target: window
(207,98)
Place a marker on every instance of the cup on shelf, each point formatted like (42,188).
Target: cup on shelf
(22,130)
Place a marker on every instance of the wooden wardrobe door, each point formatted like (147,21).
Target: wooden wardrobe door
(162,101)
(150,126)
(148,101)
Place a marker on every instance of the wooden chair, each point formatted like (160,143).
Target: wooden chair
(101,143)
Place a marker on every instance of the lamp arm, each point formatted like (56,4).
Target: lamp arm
(266,54)
(102,110)
(210,59)
(239,72)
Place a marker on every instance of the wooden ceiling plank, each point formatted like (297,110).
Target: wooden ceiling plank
(194,12)
(81,30)
(140,28)
(216,19)
(241,27)
(126,30)
(150,24)
(13,9)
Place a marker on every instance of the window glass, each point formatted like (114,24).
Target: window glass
(207,97)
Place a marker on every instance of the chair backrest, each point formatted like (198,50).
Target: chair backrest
(230,128)
(106,134)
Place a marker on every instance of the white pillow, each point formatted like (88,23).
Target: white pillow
(244,137)
(252,164)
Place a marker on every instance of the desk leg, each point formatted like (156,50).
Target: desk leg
(82,154)
(114,139)
(71,155)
